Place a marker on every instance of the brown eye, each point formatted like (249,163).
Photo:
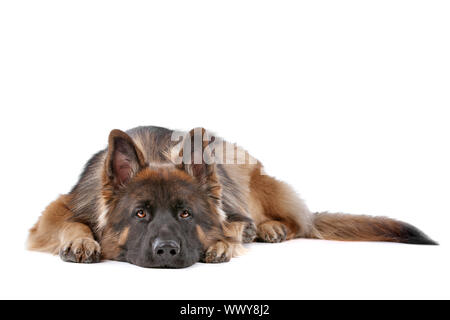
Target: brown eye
(185,214)
(141,214)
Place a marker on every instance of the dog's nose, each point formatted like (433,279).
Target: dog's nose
(166,248)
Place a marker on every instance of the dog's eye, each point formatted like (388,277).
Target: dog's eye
(140,214)
(185,214)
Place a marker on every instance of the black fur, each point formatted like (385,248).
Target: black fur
(413,235)
(162,200)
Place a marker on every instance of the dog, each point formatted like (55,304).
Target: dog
(166,199)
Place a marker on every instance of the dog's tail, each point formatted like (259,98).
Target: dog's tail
(348,227)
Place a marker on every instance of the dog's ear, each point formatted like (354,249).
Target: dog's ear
(197,159)
(124,158)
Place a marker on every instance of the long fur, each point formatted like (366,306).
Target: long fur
(250,205)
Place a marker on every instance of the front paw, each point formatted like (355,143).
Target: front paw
(83,250)
(218,253)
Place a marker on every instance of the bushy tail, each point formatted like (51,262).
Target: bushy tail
(348,227)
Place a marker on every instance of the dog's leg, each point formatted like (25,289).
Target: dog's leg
(237,229)
(240,227)
(53,233)
(220,251)
(217,251)
(277,210)
(78,244)
(280,214)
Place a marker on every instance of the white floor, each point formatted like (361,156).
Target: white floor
(298,269)
(348,101)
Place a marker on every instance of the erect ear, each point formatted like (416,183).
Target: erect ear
(124,158)
(198,160)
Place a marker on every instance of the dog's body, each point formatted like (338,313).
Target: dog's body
(141,200)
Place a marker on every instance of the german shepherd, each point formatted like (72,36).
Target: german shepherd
(160,198)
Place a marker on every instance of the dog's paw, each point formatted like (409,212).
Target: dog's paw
(272,231)
(218,252)
(83,250)
(249,233)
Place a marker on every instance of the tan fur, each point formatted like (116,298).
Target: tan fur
(271,199)
(237,187)
(234,231)
(228,247)
(54,232)
(110,244)
(272,231)
(202,237)
(123,236)
(358,227)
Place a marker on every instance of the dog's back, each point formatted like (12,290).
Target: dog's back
(249,203)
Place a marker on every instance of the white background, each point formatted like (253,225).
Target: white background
(346,100)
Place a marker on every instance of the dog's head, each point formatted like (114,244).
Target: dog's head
(159,215)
